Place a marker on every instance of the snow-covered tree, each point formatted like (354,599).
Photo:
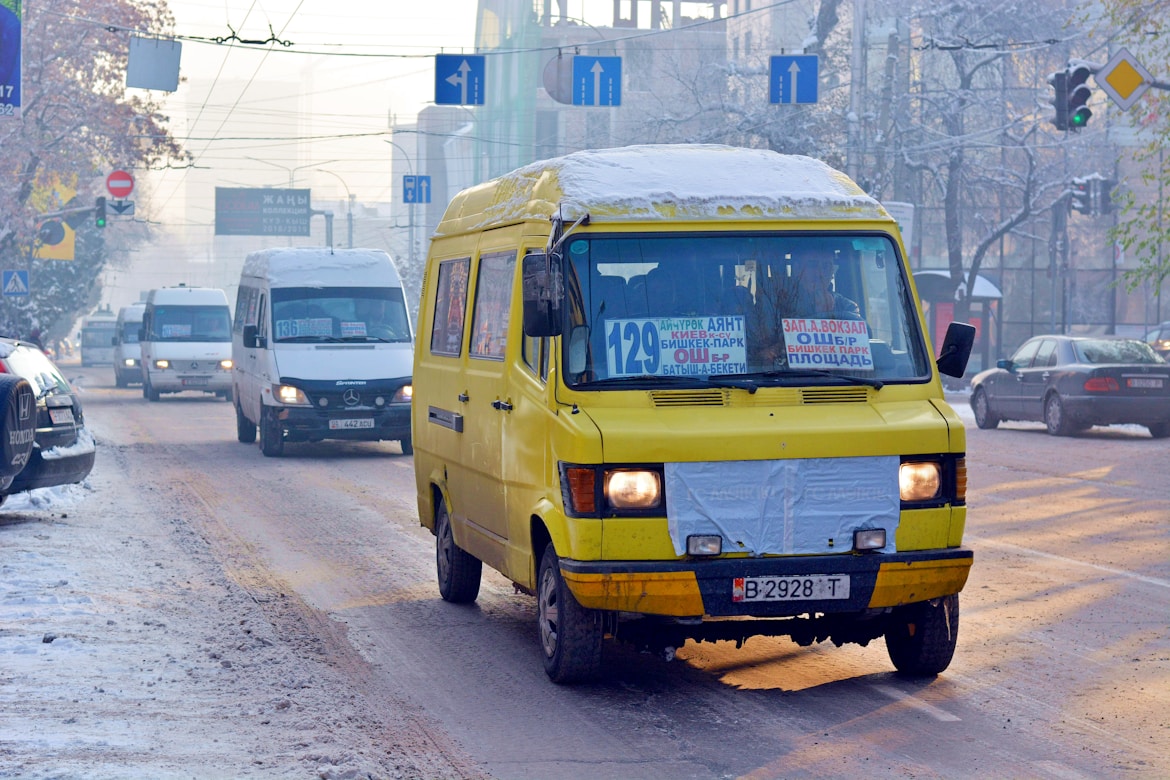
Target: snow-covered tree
(77,123)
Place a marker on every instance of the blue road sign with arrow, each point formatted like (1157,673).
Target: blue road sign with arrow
(793,78)
(15,282)
(597,81)
(416,189)
(459,79)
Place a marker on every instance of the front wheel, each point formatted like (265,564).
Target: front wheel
(921,639)
(570,634)
(271,436)
(245,428)
(407,445)
(1056,418)
(1159,430)
(459,571)
(149,391)
(982,409)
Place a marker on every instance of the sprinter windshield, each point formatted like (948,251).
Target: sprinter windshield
(130,332)
(307,314)
(191,323)
(752,308)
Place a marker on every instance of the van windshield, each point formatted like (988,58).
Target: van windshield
(191,323)
(307,314)
(130,332)
(736,308)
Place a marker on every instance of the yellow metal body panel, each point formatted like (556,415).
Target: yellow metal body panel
(906,583)
(662,593)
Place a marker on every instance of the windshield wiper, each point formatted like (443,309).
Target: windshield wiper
(876,384)
(308,339)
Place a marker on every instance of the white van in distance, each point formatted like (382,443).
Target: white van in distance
(127,350)
(323,348)
(186,341)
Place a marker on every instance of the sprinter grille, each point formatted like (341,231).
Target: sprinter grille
(689,398)
(835,395)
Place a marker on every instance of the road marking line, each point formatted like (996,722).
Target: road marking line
(916,703)
(1107,569)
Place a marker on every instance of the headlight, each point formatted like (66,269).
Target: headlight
(225,364)
(128,362)
(162,364)
(633,489)
(404,394)
(290,396)
(920,481)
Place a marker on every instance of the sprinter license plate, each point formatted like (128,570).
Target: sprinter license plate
(803,587)
(61,416)
(350,424)
(195,381)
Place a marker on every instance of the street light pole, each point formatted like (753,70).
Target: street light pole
(410,207)
(349,196)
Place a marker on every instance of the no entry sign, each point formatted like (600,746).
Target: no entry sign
(120,184)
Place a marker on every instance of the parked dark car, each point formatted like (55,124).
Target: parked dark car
(1071,383)
(63,450)
(1159,339)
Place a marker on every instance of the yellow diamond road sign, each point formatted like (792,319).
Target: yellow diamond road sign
(1124,79)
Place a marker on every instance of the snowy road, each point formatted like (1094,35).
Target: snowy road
(214,613)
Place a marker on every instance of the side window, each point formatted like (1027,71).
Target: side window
(493,304)
(260,309)
(1024,355)
(1046,355)
(534,351)
(450,307)
(245,308)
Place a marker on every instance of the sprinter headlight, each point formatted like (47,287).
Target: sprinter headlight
(403,396)
(919,481)
(633,489)
(290,396)
(162,364)
(226,365)
(128,362)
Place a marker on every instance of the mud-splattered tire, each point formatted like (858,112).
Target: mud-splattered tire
(921,638)
(570,635)
(271,436)
(459,571)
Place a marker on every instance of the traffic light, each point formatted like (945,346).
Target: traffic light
(1081,195)
(1077,112)
(1103,195)
(99,211)
(1059,82)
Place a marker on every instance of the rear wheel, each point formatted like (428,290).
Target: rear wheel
(245,428)
(921,639)
(271,436)
(570,634)
(459,571)
(1056,418)
(982,409)
(1159,430)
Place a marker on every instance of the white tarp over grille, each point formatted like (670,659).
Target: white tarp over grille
(793,507)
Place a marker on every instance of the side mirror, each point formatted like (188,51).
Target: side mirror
(113,341)
(956,349)
(543,292)
(252,338)
(1006,364)
(142,334)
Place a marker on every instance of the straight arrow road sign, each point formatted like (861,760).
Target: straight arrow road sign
(793,78)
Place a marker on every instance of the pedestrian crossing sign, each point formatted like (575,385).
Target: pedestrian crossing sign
(15,282)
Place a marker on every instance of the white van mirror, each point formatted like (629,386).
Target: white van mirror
(543,292)
(956,349)
(252,338)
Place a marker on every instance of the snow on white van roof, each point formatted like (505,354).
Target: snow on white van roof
(310,266)
(667,182)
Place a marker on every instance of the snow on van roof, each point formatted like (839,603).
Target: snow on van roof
(668,181)
(309,266)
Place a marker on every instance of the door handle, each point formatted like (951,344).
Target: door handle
(503,406)
(464,398)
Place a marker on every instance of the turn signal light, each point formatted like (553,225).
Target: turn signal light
(582,489)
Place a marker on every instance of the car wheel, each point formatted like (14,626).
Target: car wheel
(1159,430)
(119,380)
(271,436)
(570,634)
(921,640)
(459,571)
(245,428)
(149,392)
(982,408)
(1055,418)
(407,445)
